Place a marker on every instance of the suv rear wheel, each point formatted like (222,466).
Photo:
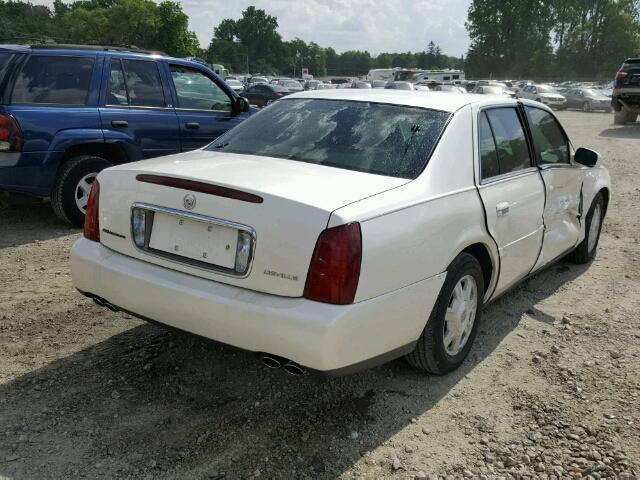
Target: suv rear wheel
(72,186)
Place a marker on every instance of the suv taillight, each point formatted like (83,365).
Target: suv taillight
(335,266)
(11,139)
(622,75)
(91,219)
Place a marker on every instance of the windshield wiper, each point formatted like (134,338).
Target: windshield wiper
(220,145)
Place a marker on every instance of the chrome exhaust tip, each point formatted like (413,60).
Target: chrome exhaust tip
(294,369)
(272,361)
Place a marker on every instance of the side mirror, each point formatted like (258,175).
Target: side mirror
(242,105)
(586,157)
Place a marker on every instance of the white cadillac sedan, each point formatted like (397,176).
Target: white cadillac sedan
(340,229)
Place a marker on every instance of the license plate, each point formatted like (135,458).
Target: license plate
(198,240)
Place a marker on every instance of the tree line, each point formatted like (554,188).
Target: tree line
(537,39)
(551,39)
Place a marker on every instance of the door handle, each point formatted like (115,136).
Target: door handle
(192,125)
(502,208)
(119,123)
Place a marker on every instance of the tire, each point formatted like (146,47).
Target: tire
(74,178)
(586,250)
(620,118)
(632,116)
(586,107)
(431,354)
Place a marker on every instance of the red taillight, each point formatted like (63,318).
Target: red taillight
(91,219)
(622,75)
(278,94)
(11,139)
(335,266)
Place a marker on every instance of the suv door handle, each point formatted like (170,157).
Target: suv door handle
(192,125)
(502,208)
(119,123)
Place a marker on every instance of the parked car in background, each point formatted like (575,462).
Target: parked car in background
(326,86)
(378,83)
(493,90)
(625,98)
(236,85)
(67,112)
(399,85)
(263,94)
(448,88)
(587,99)
(361,85)
(291,85)
(438,204)
(256,80)
(312,84)
(544,94)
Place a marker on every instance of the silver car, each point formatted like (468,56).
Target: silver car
(587,99)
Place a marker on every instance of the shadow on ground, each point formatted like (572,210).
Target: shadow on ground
(24,224)
(157,403)
(631,130)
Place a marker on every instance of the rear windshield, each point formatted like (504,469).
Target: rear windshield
(383,139)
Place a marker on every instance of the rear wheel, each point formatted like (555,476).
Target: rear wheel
(452,326)
(71,189)
(586,250)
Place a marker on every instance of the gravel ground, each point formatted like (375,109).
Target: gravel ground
(550,389)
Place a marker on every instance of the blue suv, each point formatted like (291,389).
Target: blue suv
(68,111)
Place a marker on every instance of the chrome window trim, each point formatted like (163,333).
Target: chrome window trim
(508,176)
(185,260)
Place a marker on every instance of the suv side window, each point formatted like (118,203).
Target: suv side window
(143,83)
(196,91)
(549,141)
(54,80)
(510,140)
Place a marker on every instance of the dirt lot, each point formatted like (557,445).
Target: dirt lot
(550,390)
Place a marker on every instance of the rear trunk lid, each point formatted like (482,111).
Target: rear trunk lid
(297,200)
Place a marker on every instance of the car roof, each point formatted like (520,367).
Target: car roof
(447,102)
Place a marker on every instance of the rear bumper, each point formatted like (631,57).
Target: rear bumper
(336,339)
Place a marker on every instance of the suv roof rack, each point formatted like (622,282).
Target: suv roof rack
(104,48)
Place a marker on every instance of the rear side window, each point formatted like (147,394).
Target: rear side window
(549,141)
(509,139)
(5,58)
(488,153)
(143,83)
(4,63)
(54,80)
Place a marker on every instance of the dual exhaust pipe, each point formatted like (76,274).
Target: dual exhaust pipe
(269,361)
(275,362)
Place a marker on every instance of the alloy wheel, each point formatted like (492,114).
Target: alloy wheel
(82,191)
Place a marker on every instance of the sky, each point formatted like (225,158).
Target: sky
(373,25)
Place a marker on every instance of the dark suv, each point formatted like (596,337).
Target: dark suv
(67,112)
(626,92)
